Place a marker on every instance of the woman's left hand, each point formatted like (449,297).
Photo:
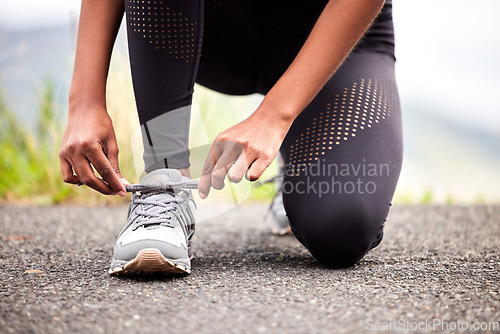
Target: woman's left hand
(248,147)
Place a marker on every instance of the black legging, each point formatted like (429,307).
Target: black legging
(342,154)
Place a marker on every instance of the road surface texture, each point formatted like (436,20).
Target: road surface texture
(437,269)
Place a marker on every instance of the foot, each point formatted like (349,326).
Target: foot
(159,229)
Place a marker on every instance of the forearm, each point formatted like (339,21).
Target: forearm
(99,24)
(339,27)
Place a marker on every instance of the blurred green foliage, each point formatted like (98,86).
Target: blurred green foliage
(29,162)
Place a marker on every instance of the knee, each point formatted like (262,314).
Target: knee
(338,238)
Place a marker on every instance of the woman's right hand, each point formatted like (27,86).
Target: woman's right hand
(89,140)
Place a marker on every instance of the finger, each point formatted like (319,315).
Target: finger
(112,156)
(205,178)
(67,171)
(257,168)
(231,153)
(75,170)
(85,173)
(103,166)
(239,168)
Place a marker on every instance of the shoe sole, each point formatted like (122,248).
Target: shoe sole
(281,231)
(151,261)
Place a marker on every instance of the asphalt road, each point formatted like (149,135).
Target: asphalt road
(437,268)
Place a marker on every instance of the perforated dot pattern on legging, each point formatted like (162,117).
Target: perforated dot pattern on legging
(164,28)
(361,106)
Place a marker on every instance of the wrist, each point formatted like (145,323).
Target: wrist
(81,100)
(276,111)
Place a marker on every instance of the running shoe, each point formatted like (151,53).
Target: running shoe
(160,226)
(280,225)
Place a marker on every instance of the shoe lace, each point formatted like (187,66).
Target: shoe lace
(155,210)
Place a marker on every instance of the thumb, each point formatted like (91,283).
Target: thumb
(114,164)
(113,161)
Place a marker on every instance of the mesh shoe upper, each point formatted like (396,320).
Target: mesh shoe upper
(158,218)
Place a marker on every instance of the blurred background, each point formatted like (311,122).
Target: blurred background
(448,71)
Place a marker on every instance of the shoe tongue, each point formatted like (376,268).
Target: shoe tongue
(162,177)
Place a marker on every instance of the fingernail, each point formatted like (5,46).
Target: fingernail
(122,194)
(202,195)
(125,182)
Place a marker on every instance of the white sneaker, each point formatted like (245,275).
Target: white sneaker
(160,226)
(280,224)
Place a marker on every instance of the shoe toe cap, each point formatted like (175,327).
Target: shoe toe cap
(168,241)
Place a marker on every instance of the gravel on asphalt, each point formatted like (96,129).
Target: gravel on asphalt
(437,268)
